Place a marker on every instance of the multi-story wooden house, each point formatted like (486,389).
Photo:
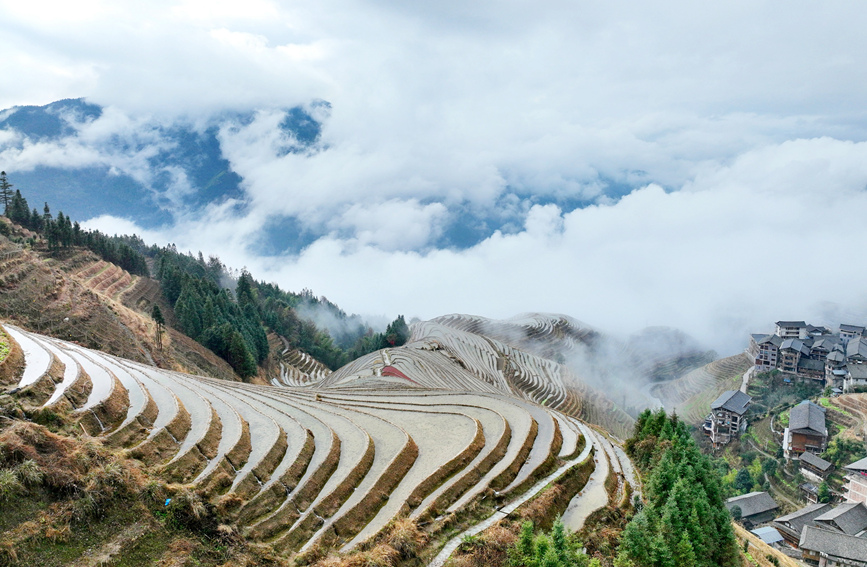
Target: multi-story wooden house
(764,350)
(791,351)
(806,430)
(726,419)
(815,467)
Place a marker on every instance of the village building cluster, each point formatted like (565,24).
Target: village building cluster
(810,351)
(820,533)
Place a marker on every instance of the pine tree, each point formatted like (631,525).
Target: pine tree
(18,209)
(157,315)
(684,554)
(240,357)
(685,521)
(6,193)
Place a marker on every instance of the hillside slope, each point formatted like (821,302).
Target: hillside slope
(442,355)
(76,296)
(691,395)
(327,466)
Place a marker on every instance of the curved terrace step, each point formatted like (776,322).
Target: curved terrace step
(37,359)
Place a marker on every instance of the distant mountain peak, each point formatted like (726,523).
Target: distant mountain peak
(88,162)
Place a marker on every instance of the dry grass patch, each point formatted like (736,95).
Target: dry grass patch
(36,394)
(317,480)
(187,467)
(136,430)
(166,443)
(239,454)
(550,503)
(331,503)
(79,391)
(547,466)
(760,553)
(82,476)
(488,549)
(252,483)
(399,543)
(112,411)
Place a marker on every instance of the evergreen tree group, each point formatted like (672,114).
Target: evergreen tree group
(62,233)
(234,325)
(284,312)
(5,192)
(207,313)
(555,549)
(685,522)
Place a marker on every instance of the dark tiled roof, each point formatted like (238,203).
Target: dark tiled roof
(793,523)
(857,371)
(815,461)
(807,417)
(732,400)
(850,518)
(826,343)
(836,356)
(791,323)
(834,544)
(857,465)
(773,339)
(796,344)
(856,348)
(752,503)
(813,329)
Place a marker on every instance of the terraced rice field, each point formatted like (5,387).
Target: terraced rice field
(298,368)
(331,459)
(850,410)
(447,353)
(691,395)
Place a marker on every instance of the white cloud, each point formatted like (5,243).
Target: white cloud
(743,123)
(393,225)
(718,260)
(767,237)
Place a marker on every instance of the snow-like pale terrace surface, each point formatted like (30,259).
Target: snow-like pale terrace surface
(137,384)
(103,382)
(71,371)
(198,408)
(435,392)
(38,359)
(594,495)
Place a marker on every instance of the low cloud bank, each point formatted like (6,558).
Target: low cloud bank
(775,234)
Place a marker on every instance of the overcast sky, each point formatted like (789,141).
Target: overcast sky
(694,164)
